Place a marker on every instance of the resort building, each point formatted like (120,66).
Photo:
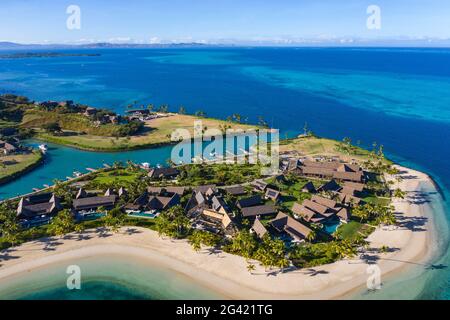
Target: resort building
(346,196)
(291,166)
(163,173)
(256,211)
(330,186)
(309,188)
(38,206)
(343,214)
(272,194)
(235,191)
(259,229)
(81,194)
(259,185)
(249,201)
(215,221)
(90,204)
(329,170)
(286,224)
(109,192)
(166,191)
(281,178)
(154,201)
(122,192)
(316,210)
(90,111)
(159,203)
(7,148)
(209,211)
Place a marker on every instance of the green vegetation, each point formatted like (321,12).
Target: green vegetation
(349,230)
(62,224)
(314,254)
(173,223)
(99,130)
(12,166)
(291,189)
(220,174)
(11,233)
(198,238)
(317,146)
(120,177)
(75,124)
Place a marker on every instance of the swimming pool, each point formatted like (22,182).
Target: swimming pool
(142,214)
(330,227)
(90,216)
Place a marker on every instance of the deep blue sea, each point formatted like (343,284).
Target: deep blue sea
(396,97)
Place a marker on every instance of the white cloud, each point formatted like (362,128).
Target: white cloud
(154,40)
(120,40)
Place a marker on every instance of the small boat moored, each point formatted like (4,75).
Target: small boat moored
(43,148)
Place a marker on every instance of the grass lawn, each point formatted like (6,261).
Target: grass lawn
(353,229)
(156,131)
(377,200)
(122,175)
(349,230)
(314,146)
(13,164)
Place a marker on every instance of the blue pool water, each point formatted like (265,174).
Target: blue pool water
(142,215)
(397,97)
(331,226)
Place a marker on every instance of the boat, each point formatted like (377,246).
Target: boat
(77,174)
(43,148)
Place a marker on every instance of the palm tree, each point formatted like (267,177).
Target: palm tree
(195,239)
(79,228)
(311,236)
(398,193)
(250,267)
(114,219)
(62,224)
(10,230)
(344,249)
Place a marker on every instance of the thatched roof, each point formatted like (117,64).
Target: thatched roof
(259,228)
(294,228)
(258,210)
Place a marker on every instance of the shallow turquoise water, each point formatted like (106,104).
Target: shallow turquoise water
(106,278)
(61,162)
(397,97)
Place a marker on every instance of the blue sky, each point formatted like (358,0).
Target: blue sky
(38,21)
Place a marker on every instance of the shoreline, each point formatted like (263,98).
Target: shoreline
(228,274)
(9,178)
(105,150)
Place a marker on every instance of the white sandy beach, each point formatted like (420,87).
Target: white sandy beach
(228,274)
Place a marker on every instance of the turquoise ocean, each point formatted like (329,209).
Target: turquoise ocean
(396,97)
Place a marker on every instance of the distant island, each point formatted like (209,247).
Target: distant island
(99,45)
(26,55)
(96,129)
